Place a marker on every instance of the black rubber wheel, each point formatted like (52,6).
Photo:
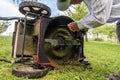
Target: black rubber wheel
(30,72)
(34,7)
(59,54)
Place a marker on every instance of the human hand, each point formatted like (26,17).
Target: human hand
(73,27)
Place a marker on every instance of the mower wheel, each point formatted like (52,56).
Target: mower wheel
(34,7)
(30,72)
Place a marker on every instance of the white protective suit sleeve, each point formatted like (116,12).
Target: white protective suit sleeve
(99,12)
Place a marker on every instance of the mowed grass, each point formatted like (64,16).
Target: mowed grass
(104,58)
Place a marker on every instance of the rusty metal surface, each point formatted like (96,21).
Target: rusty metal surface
(30,47)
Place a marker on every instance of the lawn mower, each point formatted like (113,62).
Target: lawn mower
(42,40)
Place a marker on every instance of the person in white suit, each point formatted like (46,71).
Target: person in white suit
(100,12)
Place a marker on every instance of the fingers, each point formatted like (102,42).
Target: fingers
(73,27)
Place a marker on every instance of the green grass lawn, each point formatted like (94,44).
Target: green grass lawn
(103,56)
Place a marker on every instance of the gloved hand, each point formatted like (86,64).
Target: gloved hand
(73,27)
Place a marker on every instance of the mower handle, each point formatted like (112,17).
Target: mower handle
(13,18)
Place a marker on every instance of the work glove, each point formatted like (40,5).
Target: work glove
(73,27)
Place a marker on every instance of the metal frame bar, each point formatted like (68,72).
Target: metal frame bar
(24,33)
